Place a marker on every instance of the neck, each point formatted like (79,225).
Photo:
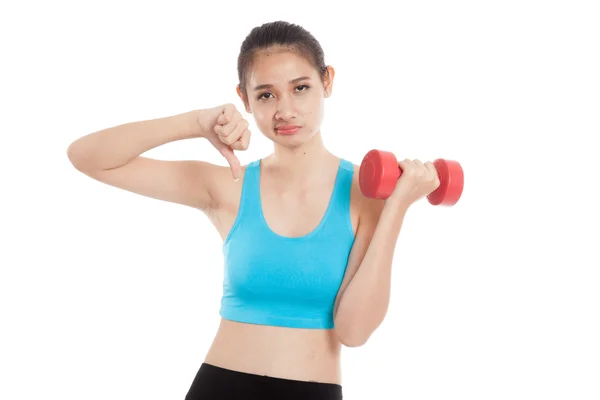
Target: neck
(302,162)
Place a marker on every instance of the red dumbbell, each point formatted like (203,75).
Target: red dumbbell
(379,172)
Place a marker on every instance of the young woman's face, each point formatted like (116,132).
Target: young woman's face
(286,97)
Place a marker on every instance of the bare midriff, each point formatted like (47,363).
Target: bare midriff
(299,354)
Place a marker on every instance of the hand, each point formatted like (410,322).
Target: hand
(226,130)
(416,181)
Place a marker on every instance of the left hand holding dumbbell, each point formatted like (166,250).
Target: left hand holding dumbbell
(416,181)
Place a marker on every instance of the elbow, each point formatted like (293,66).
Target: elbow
(354,333)
(352,337)
(77,157)
(73,155)
(353,342)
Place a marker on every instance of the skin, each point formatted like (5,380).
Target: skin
(296,182)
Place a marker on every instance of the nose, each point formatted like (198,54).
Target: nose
(286,109)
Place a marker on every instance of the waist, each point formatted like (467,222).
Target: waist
(299,354)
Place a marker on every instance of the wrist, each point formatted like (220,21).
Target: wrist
(196,128)
(396,206)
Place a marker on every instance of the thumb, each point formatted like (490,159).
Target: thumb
(234,162)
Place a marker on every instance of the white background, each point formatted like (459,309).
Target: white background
(109,295)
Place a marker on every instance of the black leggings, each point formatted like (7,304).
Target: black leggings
(215,383)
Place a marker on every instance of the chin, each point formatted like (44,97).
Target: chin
(291,141)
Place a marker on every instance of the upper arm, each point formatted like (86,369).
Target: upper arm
(187,182)
(369,211)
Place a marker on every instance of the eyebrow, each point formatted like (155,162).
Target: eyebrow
(267,85)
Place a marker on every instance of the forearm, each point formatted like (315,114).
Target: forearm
(365,301)
(116,146)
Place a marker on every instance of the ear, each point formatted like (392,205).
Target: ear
(244,99)
(328,80)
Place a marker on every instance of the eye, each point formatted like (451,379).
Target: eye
(261,96)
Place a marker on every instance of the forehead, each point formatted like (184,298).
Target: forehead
(278,66)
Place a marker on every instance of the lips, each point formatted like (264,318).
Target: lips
(287,129)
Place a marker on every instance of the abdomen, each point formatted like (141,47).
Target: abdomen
(300,354)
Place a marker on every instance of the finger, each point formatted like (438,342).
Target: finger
(220,128)
(407,167)
(233,161)
(403,164)
(227,114)
(224,130)
(419,167)
(243,142)
(432,171)
(233,133)
(430,167)
(232,124)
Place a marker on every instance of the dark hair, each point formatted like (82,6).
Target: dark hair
(282,34)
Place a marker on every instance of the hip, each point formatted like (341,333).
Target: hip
(213,382)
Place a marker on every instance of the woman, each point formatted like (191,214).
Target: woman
(307,257)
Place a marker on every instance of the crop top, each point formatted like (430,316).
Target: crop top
(276,280)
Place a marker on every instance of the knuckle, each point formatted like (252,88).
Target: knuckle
(230,139)
(225,139)
(235,131)
(229,129)
(230,110)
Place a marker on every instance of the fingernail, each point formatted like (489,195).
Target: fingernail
(236,179)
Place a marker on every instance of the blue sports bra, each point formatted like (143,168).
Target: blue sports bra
(276,280)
